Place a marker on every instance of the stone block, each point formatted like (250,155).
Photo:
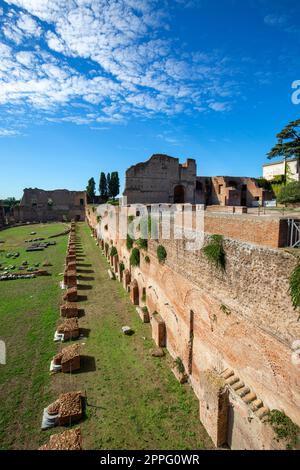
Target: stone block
(214,406)
(71,294)
(143,314)
(69,310)
(158,330)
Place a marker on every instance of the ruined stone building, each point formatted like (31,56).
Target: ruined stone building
(38,205)
(162,179)
(2,216)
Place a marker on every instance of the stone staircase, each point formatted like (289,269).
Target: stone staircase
(249,397)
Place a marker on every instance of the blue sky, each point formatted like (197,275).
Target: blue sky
(98,85)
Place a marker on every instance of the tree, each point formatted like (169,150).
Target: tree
(10,202)
(289,194)
(108,185)
(288,144)
(114,186)
(103,186)
(90,190)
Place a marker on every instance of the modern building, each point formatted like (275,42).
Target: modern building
(163,179)
(270,170)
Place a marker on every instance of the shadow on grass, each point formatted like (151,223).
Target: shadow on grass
(85,271)
(85,332)
(84,265)
(87,364)
(81,298)
(86,278)
(84,287)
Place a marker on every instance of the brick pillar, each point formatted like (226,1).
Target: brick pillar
(214,406)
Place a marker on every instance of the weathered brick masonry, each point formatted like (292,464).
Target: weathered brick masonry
(238,324)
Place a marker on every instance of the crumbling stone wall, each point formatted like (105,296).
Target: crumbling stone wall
(2,216)
(156,181)
(38,205)
(162,179)
(242,319)
(231,191)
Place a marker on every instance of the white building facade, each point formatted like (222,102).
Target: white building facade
(270,170)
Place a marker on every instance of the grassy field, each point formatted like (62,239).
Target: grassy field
(28,314)
(134,401)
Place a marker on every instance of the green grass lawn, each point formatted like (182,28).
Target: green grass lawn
(28,314)
(134,400)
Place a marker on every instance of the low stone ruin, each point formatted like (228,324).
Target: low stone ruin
(158,330)
(71,295)
(69,310)
(66,410)
(68,440)
(68,360)
(69,329)
(70,278)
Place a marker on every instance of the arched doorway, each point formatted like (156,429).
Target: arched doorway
(179,194)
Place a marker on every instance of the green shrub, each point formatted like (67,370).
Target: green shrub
(142,243)
(225,309)
(145,309)
(179,365)
(161,254)
(214,251)
(113,251)
(129,242)
(121,267)
(130,218)
(289,194)
(147,259)
(135,257)
(284,428)
(263,183)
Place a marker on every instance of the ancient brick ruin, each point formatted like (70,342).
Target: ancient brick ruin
(38,205)
(231,329)
(162,179)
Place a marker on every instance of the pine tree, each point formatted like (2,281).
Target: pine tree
(91,190)
(108,185)
(288,144)
(103,186)
(114,184)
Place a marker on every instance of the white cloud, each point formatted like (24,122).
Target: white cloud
(275,20)
(106,59)
(8,133)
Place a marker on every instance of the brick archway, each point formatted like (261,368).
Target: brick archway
(179,194)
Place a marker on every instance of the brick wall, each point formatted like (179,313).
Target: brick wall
(261,230)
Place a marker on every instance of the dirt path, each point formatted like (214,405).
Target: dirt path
(134,400)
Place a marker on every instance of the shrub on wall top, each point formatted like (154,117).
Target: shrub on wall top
(135,257)
(142,243)
(161,253)
(179,365)
(129,242)
(214,251)
(113,251)
(121,267)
